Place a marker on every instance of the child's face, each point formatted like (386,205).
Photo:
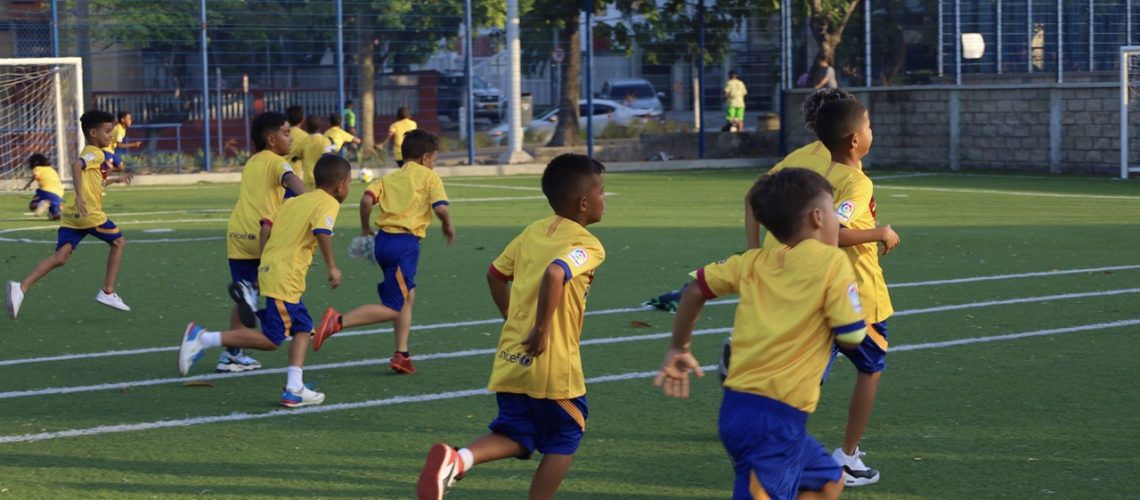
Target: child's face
(595,200)
(341,190)
(863,136)
(127,121)
(279,140)
(100,136)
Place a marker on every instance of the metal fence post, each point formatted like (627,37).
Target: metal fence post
(55,28)
(941,40)
(218,114)
(1092,38)
(999,37)
(867,42)
(589,6)
(468,67)
(340,93)
(1060,43)
(957,42)
(1029,35)
(701,78)
(205,85)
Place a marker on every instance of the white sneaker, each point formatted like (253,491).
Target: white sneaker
(855,472)
(15,298)
(305,397)
(235,363)
(112,300)
(191,349)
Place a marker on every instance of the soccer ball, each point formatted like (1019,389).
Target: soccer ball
(365,175)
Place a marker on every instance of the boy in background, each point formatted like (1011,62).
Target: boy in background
(537,373)
(49,194)
(396,131)
(297,136)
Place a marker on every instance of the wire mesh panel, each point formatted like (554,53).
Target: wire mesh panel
(1129,111)
(39,111)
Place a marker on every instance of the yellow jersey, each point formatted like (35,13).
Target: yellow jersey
(94,177)
(399,128)
(315,145)
(260,197)
(406,198)
(794,302)
(735,91)
(48,179)
(338,137)
(298,136)
(292,243)
(855,208)
(557,373)
(118,136)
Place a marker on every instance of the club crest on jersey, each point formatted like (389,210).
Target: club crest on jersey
(845,210)
(853,294)
(329,221)
(579,257)
(89,157)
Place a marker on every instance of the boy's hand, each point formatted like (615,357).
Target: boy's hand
(890,239)
(449,232)
(367,232)
(535,343)
(674,373)
(334,277)
(122,179)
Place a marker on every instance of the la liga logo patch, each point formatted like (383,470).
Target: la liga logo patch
(579,257)
(853,294)
(845,210)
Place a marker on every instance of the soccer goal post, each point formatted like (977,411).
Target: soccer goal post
(1129,108)
(41,100)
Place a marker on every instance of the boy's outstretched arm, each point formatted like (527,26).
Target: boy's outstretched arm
(444,215)
(265,229)
(29,184)
(366,203)
(500,290)
(324,240)
(884,234)
(293,183)
(679,361)
(549,296)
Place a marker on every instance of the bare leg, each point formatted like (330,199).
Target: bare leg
(549,475)
(859,411)
(491,447)
(57,259)
(367,314)
(114,259)
(246,337)
(403,324)
(830,491)
(235,319)
(298,348)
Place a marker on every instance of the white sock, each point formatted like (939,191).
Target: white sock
(294,383)
(467,458)
(210,339)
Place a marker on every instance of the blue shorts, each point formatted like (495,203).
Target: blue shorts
(547,425)
(398,256)
(280,319)
(244,270)
(41,196)
(871,355)
(771,449)
(108,232)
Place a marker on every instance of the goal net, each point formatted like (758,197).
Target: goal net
(40,104)
(1129,110)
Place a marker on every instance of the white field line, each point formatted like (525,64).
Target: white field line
(1011,193)
(439,396)
(491,186)
(600,312)
(482,352)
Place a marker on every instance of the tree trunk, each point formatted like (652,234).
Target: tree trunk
(367,79)
(826,34)
(566,131)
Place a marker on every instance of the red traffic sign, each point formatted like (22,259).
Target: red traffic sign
(558,54)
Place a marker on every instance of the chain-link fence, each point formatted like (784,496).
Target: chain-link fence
(363,60)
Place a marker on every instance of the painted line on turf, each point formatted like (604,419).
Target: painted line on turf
(600,312)
(440,396)
(1011,192)
(491,186)
(49,391)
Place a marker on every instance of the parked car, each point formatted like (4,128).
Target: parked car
(637,93)
(488,100)
(605,112)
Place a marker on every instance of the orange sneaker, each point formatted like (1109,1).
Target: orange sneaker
(330,324)
(402,363)
(441,469)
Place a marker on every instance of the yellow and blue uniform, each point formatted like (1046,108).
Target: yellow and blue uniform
(74,227)
(118,137)
(50,189)
(855,209)
(296,152)
(313,147)
(286,261)
(542,403)
(406,198)
(338,136)
(398,129)
(260,196)
(795,302)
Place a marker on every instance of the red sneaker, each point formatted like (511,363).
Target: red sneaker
(441,469)
(402,363)
(330,324)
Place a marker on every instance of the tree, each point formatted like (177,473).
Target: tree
(827,19)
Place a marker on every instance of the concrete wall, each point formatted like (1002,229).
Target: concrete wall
(1034,127)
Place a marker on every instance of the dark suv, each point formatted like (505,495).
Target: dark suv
(488,100)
